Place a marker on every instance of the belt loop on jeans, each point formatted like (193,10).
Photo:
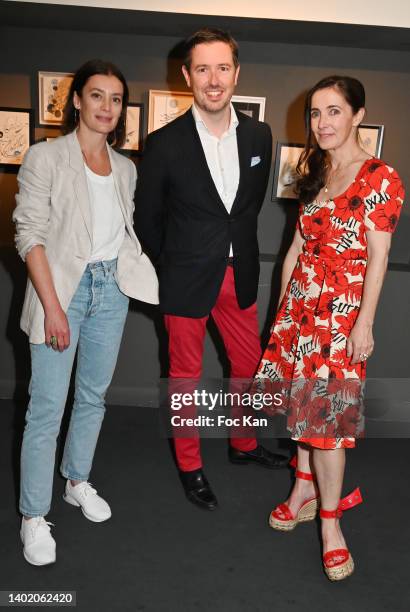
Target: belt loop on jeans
(108,265)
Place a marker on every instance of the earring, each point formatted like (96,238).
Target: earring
(76,115)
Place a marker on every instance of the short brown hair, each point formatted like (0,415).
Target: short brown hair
(209,35)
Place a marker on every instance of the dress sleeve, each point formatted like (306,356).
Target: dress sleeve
(385,198)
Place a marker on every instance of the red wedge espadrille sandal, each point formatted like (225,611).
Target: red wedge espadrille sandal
(281,517)
(338,563)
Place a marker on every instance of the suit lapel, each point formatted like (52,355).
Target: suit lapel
(244,140)
(81,187)
(118,184)
(80,180)
(194,152)
(122,193)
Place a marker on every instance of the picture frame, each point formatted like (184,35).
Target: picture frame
(134,123)
(165,106)
(53,88)
(253,106)
(287,157)
(371,138)
(16,135)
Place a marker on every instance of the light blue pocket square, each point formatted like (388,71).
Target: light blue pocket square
(255,161)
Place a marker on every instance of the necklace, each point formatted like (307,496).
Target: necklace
(101,173)
(332,175)
(328,182)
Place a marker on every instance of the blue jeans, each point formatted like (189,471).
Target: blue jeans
(96,316)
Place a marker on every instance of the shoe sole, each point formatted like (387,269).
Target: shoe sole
(307,513)
(250,462)
(75,503)
(202,506)
(340,572)
(33,562)
(37,564)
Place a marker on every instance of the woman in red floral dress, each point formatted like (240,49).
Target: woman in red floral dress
(331,281)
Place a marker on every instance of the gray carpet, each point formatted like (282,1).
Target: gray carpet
(160,553)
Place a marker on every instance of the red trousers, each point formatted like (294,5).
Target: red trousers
(240,334)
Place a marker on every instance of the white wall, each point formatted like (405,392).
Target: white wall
(368,12)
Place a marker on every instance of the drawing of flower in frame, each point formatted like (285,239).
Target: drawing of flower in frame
(53,88)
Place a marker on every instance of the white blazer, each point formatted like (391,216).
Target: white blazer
(53,210)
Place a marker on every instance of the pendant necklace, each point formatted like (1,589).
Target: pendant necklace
(328,182)
(330,179)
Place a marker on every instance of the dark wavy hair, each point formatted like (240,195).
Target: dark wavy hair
(313,163)
(115,138)
(209,35)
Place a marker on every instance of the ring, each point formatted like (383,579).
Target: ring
(363,356)
(53,341)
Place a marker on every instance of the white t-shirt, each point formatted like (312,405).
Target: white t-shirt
(108,226)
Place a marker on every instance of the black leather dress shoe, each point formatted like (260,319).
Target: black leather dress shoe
(198,490)
(261,456)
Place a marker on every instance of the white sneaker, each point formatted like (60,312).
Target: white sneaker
(39,544)
(94,507)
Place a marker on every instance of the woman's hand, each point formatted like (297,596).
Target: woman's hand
(360,342)
(56,326)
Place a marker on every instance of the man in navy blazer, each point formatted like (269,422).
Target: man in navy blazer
(201,185)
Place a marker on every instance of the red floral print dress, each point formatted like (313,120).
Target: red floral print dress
(307,347)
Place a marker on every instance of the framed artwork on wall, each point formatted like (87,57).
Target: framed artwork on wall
(165,106)
(53,88)
(134,122)
(250,105)
(371,138)
(287,157)
(16,134)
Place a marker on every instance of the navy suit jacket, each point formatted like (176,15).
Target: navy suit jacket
(183,224)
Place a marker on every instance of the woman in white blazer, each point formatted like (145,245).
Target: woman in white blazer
(74,230)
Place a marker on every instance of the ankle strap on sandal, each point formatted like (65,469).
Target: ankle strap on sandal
(298,474)
(350,501)
(304,475)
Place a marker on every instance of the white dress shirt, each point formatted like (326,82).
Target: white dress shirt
(222,158)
